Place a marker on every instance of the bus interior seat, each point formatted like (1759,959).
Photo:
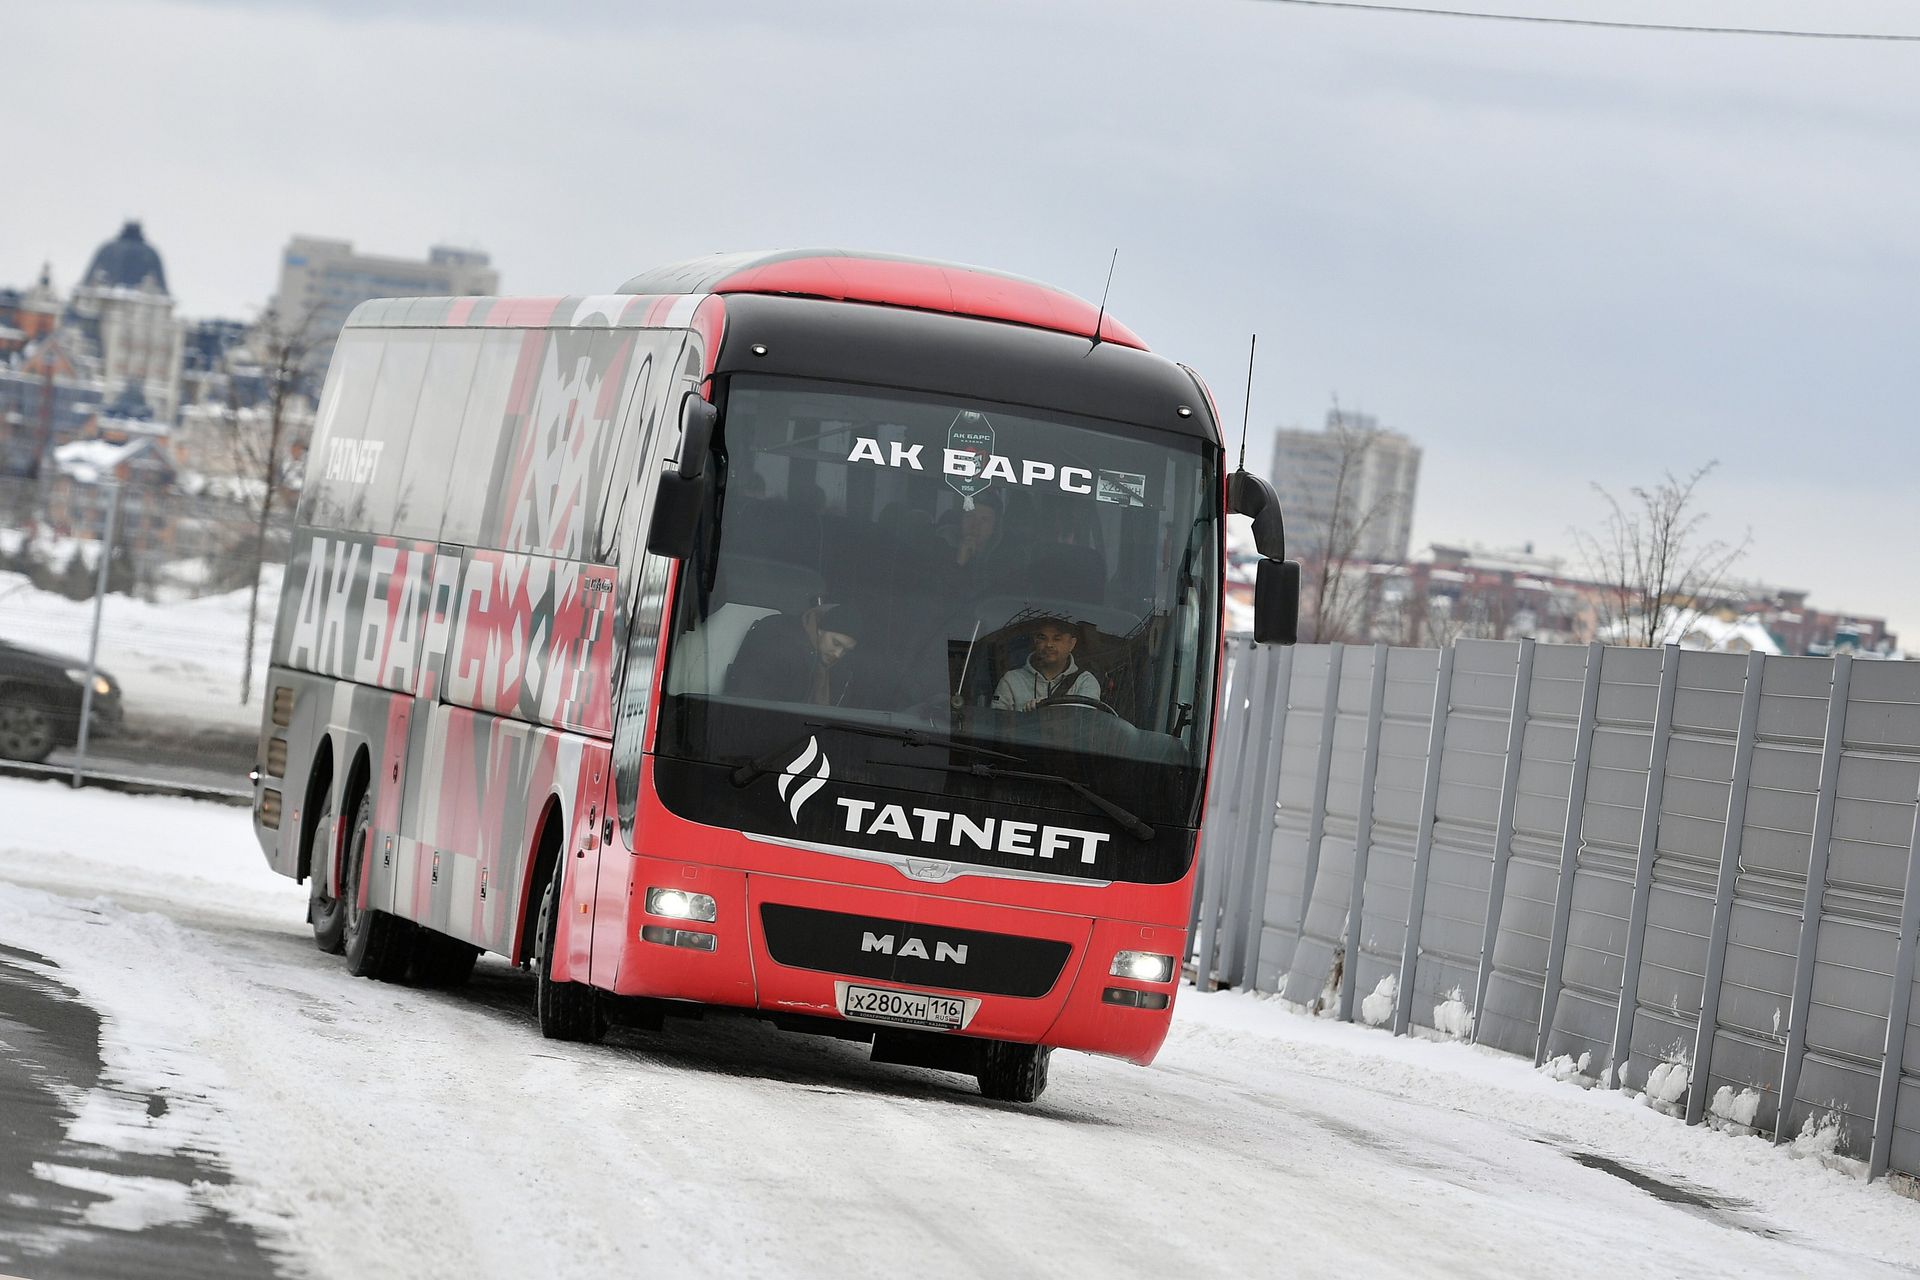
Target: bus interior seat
(747,589)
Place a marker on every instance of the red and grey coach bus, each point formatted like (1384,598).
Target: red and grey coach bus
(828,635)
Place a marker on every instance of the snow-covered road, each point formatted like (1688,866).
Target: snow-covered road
(355,1128)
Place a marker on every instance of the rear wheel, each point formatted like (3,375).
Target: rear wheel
(27,728)
(377,944)
(567,1010)
(1014,1072)
(326,914)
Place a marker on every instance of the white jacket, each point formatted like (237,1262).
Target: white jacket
(1021,687)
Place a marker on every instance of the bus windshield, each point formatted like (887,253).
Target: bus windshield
(1037,590)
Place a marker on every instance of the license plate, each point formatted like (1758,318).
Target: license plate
(903,1008)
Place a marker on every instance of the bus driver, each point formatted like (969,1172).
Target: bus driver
(1049,671)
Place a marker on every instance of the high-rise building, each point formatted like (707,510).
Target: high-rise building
(322,281)
(1347,490)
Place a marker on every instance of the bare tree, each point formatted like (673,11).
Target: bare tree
(262,439)
(1436,620)
(1339,596)
(1656,568)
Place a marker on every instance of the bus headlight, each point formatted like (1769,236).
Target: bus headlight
(678,904)
(1142,966)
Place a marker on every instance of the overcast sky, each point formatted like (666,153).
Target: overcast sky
(1554,256)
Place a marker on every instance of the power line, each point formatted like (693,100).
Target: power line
(1602,22)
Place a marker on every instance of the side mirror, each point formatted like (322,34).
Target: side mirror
(676,505)
(698,418)
(1276,602)
(676,516)
(1249,495)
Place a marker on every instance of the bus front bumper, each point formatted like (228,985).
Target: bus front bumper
(895,959)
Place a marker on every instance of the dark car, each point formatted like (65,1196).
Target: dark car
(40,698)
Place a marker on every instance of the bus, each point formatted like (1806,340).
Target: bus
(831,636)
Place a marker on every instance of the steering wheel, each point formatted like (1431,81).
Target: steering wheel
(1075,700)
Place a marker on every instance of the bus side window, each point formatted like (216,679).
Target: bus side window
(646,607)
(479,456)
(435,439)
(340,425)
(373,473)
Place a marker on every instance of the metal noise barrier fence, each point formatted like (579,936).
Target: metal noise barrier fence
(1690,874)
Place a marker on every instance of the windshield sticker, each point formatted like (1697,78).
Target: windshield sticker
(970,440)
(971,466)
(1124,487)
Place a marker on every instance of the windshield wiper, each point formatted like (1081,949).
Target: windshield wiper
(1135,827)
(773,760)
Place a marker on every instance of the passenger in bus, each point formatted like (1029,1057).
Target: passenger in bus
(974,536)
(1049,671)
(796,657)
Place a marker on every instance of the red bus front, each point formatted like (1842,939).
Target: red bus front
(919,740)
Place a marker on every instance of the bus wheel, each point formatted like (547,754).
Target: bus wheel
(325,914)
(1014,1072)
(440,961)
(567,1010)
(377,944)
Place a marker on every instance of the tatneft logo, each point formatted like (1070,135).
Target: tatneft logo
(958,831)
(809,771)
(811,765)
(913,948)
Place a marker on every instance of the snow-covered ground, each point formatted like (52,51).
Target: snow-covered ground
(377,1129)
(179,664)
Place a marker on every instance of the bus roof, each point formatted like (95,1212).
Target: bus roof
(843,275)
(668,296)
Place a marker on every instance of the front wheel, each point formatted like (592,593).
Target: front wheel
(567,1010)
(1014,1072)
(377,944)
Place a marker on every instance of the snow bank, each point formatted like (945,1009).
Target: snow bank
(1736,1108)
(1569,1069)
(1821,1135)
(1451,1017)
(1667,1084)
(1377,1009)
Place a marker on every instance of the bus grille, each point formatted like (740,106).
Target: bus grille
(920,955)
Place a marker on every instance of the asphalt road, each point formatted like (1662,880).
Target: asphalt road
(83,1209)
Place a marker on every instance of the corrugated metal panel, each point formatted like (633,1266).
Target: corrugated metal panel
(1405,728)
(1860,908)
(1319,956)
(1686,860)
(1510,1016)
(1287,885)
(1466,816)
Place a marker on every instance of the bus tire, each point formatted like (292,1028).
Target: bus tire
(377,944)
(440,961)
(325,914)
(1014,1072)
(567,1010)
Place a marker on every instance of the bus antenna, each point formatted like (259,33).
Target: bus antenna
(1100,320)
(1246,409)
